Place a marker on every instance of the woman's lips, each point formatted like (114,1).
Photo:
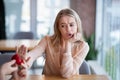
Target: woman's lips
(70,35)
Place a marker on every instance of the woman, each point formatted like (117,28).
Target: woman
(64,51)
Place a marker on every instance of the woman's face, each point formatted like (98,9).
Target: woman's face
(67,27)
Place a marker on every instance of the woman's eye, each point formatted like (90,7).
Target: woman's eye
(71,25)
(62,26)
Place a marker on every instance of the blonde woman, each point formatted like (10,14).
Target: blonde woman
(64,51)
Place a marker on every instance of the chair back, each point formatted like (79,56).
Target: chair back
(5,58)
(84,68)
(23,35)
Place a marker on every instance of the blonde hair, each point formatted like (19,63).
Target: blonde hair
(65,12)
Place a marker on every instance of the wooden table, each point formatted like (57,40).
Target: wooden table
(9,45)
(77,77)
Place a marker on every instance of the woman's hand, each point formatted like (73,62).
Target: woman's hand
(76,37)
(23,67)
(22,51)
(68,43)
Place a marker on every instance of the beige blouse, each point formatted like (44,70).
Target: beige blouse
(68,66)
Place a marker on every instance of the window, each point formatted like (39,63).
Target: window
(108,36)
(36,16)
(46,13)
(32,15)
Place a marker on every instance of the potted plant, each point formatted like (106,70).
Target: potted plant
(92,54)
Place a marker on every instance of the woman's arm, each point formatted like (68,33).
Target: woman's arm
(29,58)
(37,51)
(70,65)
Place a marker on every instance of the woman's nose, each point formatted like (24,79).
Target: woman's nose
(68,28)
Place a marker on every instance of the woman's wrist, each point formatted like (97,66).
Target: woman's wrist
(68,48)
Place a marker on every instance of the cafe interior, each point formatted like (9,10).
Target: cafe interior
(28,21)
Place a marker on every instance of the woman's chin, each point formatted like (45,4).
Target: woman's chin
(67,38)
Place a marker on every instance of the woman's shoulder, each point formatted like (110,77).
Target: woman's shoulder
(46,38)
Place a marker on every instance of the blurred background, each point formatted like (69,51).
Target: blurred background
(100,22)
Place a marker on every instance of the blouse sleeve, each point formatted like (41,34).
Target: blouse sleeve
(70,65)
(37,51)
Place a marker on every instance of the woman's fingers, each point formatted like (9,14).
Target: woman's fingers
(22,50)
(79,36)
(22,73)
(76,37)
(25,65)
(23,70)
(27,59)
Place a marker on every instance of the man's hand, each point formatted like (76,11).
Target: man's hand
(8,68)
